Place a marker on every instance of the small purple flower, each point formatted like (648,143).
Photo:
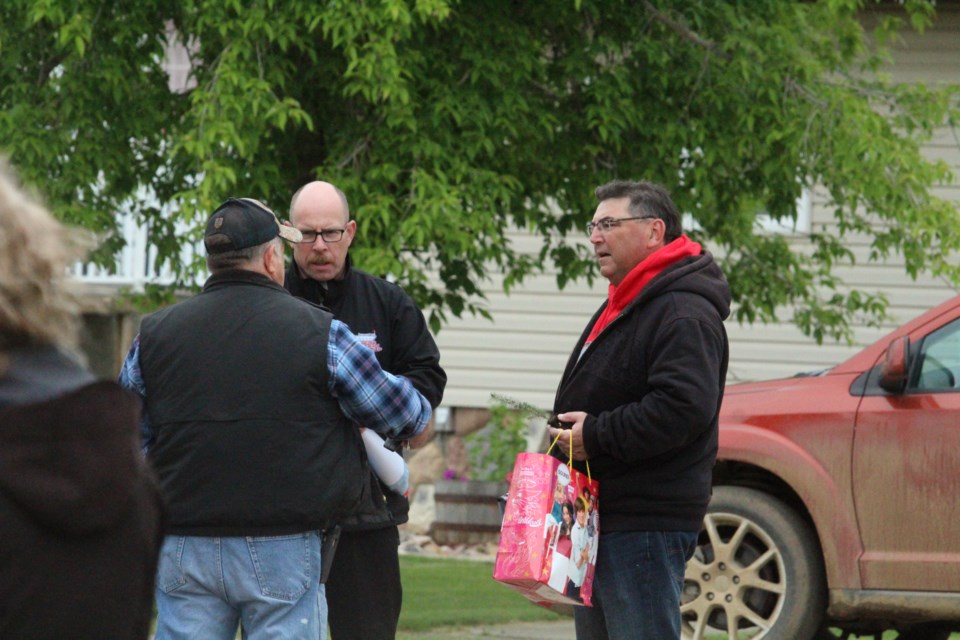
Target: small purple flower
(451,474)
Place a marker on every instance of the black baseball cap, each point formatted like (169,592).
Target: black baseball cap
(240,223)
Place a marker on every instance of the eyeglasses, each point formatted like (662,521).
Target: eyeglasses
(605,224)
(328,235)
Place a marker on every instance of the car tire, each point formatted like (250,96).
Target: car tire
(757,572)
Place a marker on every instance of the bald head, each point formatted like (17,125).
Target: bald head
(319,196)
(317,207)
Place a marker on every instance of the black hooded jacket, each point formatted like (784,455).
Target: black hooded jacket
(81,514)
(652,382)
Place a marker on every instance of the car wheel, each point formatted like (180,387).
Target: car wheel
(757,572)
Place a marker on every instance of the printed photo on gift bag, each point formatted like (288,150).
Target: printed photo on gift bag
(557,526)
(582,558)
(592,518)
(557,558)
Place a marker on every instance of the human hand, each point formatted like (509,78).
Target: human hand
(423,437)
(571,440)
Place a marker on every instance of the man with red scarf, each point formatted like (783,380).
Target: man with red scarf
(639,399)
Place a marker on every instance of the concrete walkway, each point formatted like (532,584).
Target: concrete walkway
(560,630)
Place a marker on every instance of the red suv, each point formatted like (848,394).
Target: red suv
(836,499)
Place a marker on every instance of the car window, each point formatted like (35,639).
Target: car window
(938,364)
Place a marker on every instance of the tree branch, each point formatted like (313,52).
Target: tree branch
(683,31)
(357,150)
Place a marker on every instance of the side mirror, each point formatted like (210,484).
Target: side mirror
(894,370)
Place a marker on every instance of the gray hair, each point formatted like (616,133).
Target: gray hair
(241,258)
(646,199)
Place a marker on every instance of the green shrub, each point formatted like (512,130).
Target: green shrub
(493,449)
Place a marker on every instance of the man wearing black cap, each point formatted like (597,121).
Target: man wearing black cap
(250,397)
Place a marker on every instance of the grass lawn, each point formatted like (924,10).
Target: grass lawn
(445,592)
(439,592)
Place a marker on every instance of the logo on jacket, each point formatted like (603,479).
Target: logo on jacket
(369,340)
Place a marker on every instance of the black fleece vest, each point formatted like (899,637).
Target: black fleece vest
(249,441)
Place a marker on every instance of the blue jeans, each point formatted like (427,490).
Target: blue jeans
(637,586)
(206,586)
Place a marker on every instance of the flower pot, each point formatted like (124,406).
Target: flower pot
(467,511)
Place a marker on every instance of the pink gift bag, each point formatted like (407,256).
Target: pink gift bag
(548,539)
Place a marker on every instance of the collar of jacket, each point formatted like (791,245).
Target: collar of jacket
(668,275)
(239,276)
(327,294)
(36,373)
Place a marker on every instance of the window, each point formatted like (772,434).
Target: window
(938,363)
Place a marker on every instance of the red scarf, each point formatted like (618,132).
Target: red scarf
(619,296)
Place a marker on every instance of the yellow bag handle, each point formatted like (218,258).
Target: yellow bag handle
(570,458)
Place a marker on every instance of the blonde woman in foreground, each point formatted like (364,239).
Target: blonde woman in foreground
(81,515)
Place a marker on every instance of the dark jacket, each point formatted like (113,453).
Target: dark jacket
(80,514)
(652,383)
(249,439)
(384,317)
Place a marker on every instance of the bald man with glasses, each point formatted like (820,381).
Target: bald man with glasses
(364,592)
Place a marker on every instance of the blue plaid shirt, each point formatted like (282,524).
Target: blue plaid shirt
(368,395)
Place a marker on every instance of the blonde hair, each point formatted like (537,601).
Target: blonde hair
(35,306)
